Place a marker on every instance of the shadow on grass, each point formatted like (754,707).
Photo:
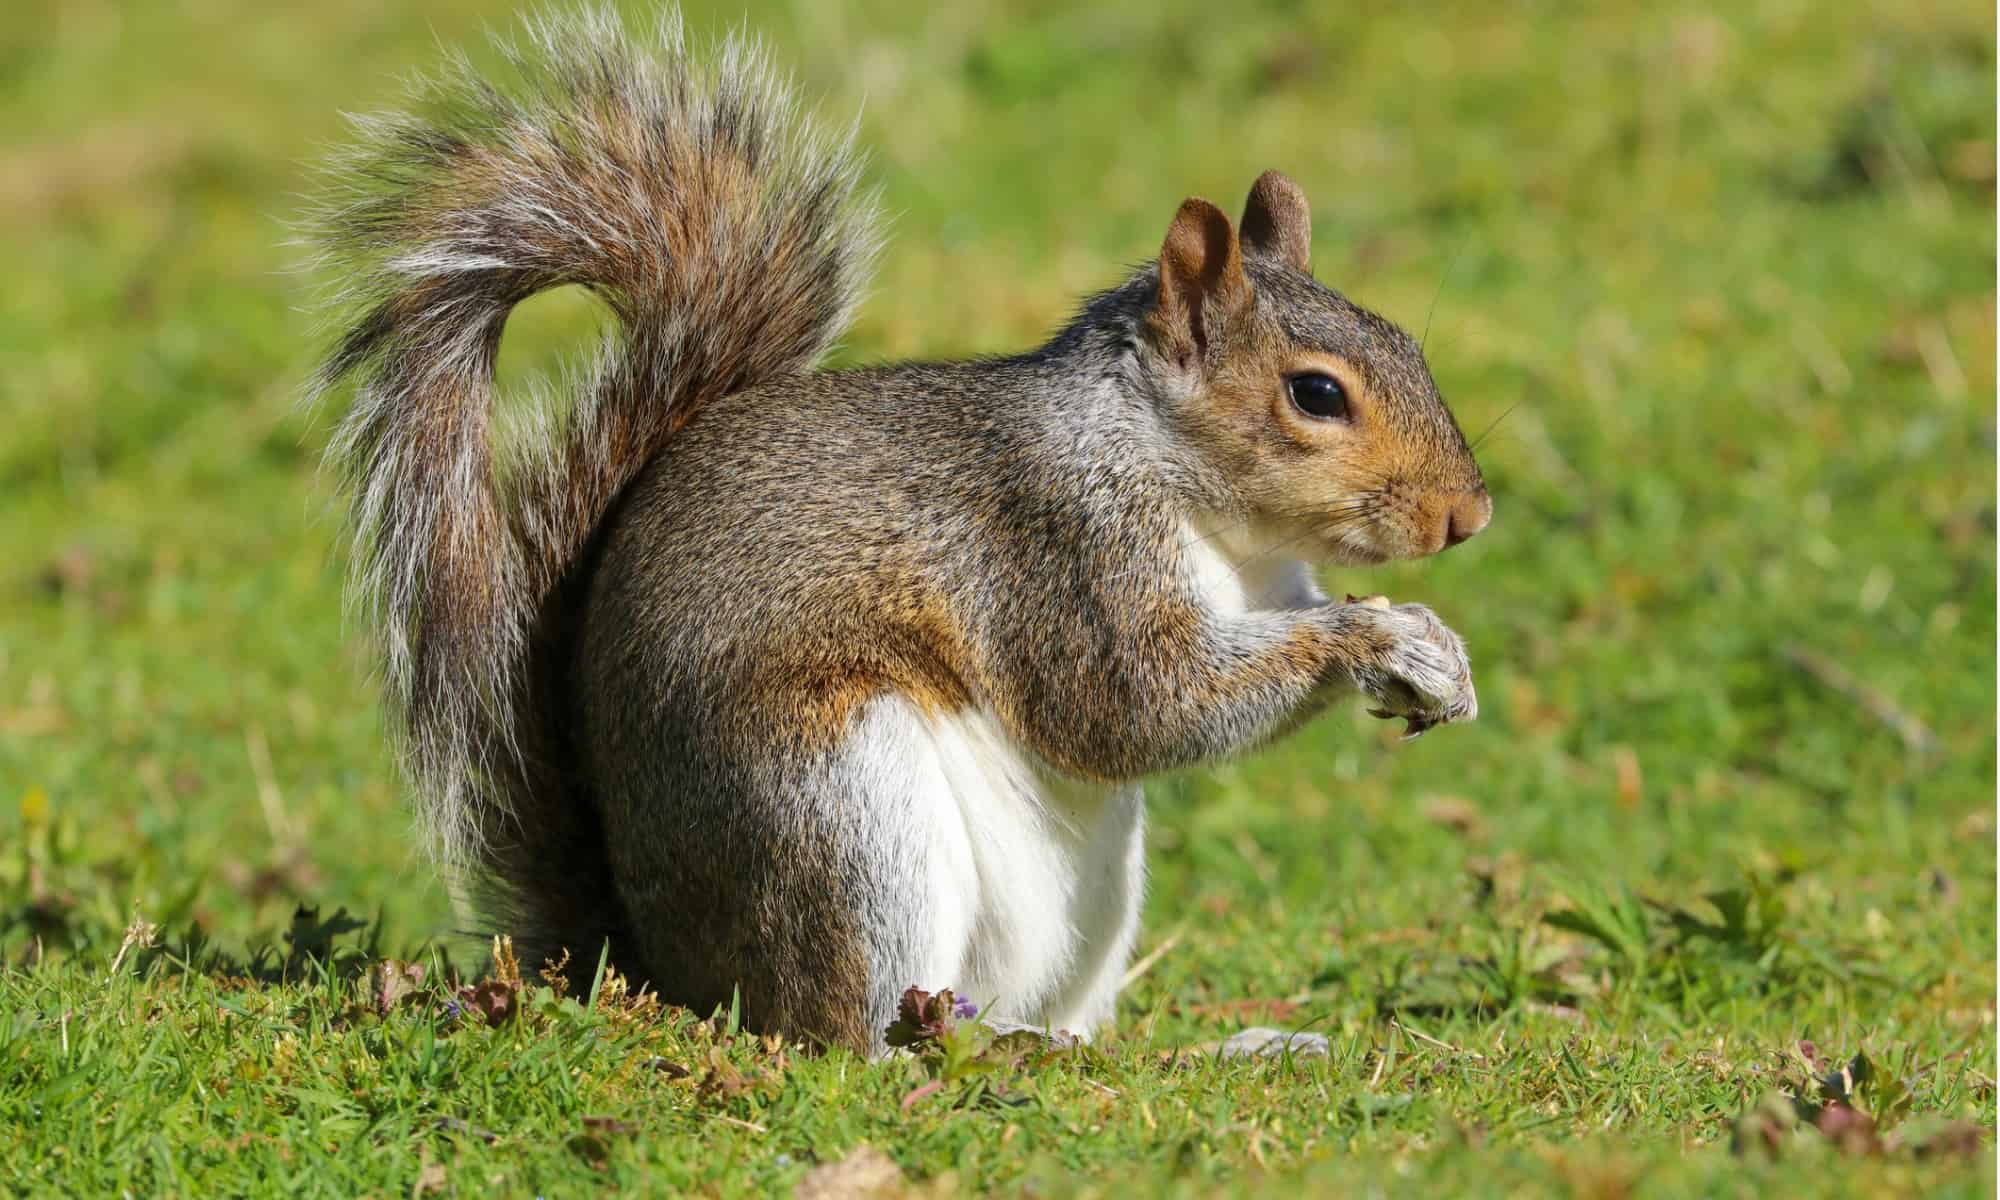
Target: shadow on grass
(317,948)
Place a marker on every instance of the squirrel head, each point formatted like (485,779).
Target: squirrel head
(1314,418)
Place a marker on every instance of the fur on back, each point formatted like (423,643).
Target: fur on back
(728,237)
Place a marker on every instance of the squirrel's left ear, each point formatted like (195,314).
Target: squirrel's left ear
(1202,284)
(1277,221)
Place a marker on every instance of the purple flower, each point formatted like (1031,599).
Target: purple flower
(964,1009)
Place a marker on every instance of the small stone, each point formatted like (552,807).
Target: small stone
(1261,1041)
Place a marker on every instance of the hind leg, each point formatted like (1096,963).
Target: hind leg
(814,884)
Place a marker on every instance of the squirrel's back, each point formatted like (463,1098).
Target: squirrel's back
(823,525)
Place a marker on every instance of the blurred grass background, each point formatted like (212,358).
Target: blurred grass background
(1726,272)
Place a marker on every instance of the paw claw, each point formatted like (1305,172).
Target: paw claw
(1422,675)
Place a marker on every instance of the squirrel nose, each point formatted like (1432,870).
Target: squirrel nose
(1468,515)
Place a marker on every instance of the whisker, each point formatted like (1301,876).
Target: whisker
(1352,504)
(1357,514)
(1424,341)
(1212,534)
(1495,425)
(1275,547)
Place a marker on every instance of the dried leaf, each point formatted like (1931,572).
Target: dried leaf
(921,1017)
(1815,1062)
(1456,814)
(1763,1128)
(1630,781)
(1849,1129)
(611,1125)
(493,999)
(865,1174)
(725,1081)
(396,982)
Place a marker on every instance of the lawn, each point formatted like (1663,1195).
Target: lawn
(1702,904)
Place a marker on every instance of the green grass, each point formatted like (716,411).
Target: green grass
(1729,276)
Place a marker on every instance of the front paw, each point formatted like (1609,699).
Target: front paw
(1416,667)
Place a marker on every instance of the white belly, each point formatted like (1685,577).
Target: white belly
(1035,879)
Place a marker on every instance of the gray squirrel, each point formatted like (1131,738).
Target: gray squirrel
(809,686)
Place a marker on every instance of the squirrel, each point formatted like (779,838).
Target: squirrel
(800,687)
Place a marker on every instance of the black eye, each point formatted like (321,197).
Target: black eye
(1319,396)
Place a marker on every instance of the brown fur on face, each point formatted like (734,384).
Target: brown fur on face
(1392,478)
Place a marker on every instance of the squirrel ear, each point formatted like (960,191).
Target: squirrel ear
(1277,221)
(1201,279)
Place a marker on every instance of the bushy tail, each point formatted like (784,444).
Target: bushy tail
(726,236)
